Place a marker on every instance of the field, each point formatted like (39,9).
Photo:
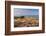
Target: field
(30,21)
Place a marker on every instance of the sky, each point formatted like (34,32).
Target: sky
(24,12)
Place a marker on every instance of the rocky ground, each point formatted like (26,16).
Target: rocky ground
(26,23)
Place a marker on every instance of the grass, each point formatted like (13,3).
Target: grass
(25,22)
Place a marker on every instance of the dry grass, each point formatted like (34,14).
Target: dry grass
(26,22)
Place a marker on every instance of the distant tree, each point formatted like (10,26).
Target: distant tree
(22,17)
(16,17)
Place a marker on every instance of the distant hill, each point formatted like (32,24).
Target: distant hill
(28,16)
(33,16)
